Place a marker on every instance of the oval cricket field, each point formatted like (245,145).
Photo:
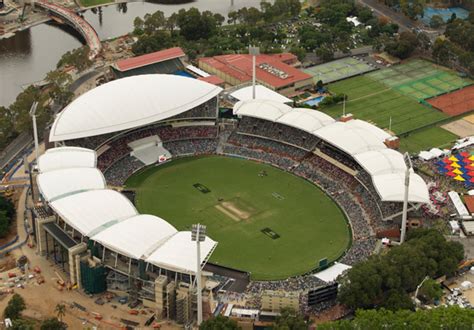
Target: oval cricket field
(268,222)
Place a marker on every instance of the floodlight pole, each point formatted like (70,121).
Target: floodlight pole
(390,124)
(254,51)
(198,234)
(407,159)
(344,106)
(35,129)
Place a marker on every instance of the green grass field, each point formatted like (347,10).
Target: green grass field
(373,101)
(239,205)
(426,139)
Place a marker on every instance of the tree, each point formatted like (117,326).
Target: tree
(78,58)
(154,22)
(443,51)
(413,8)
(5,223)
(437,318)
(22,324)
(60,310)
(385,280)
(194,26)
(14,307)
(138,26)
(436,21)
(430,291)
(7,132)
(404,46)
(289,319)
(59,90)
(299,52)
(20,109)
(219,323)
(53,324)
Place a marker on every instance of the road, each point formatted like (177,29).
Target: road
(380,9)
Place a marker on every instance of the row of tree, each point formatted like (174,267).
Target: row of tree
(386,280)
(458,48)
(203,33)
(438,318)
(15,119)
(7,213)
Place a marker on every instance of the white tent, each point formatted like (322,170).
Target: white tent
(330,274)
(66,157)
(128,103)
(179,253)
(137,236)
(261,92)
(61,183)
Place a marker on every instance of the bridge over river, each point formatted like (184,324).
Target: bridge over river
(81,25)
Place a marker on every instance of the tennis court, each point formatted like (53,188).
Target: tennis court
(338,69)
(420,79)
(455,103)
(370,100)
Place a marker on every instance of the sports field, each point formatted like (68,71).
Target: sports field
(375,102)
(426,139)
(420,79)
(267,222)
(455,103)
(338,69)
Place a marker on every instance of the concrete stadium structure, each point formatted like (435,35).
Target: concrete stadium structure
(96,234)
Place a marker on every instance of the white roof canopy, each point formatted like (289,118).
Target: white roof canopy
(66,157)
(382,161)
(61,183)
(94,210)
(261,92)
(350,138)
(391,187)
(306,119)
(179,253)
(359,139)
(136,237)
(263,109)
(128,103)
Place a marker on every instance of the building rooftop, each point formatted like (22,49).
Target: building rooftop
(147,59)
(270,69)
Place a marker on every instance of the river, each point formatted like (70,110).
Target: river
(30,54)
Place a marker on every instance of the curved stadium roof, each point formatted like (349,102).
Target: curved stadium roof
(359,139)
(76,190)
(128,103)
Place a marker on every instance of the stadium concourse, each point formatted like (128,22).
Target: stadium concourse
(109,133)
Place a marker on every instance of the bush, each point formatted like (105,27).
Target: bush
(14,308)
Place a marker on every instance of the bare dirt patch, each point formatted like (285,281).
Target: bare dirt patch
(234,210)
(461,127)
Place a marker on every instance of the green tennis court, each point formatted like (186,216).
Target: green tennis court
(420,79)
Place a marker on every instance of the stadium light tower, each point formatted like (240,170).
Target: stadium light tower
(35,129)
(406,158)
(254,51)
(198,235)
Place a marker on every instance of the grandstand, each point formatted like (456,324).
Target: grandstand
(115,130)
(167,61)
